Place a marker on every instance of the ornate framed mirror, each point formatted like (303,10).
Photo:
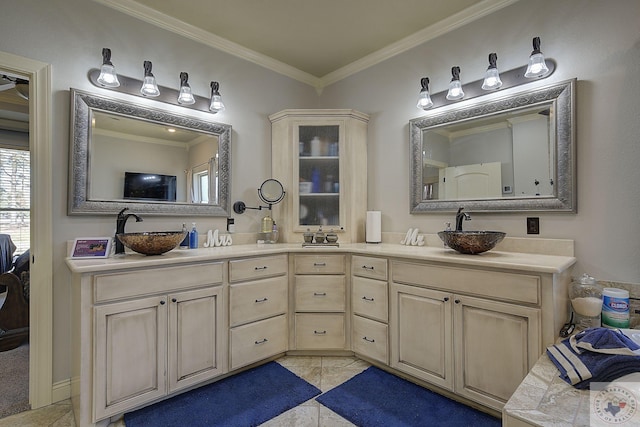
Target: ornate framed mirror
(152,161)
(509,153)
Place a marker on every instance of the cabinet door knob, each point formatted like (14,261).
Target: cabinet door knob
(446,299)
(162,302)
(457,301)
(174,300)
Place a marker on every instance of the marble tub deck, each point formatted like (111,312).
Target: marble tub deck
(323,372)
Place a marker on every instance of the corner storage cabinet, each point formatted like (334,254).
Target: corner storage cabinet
(478,347)
(258,301)
(155,338)
(370,308)
(320,157)
(320,300)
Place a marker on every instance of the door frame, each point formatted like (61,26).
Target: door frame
(41,278)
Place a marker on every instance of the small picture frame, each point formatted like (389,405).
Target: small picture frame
(91,247)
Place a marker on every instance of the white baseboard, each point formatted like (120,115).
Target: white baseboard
(61,391)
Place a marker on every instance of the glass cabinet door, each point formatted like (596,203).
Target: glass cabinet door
(319,175)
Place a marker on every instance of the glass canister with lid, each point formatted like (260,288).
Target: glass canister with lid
(586,301)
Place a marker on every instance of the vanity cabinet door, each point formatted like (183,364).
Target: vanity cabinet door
(196,339)
(130,354)
(421,333)
(496,345)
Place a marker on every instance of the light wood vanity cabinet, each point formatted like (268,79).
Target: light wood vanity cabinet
(478,347)
(370,307)
(320,300)
(258,301)
(153,339)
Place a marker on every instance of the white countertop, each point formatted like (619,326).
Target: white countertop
(493,259)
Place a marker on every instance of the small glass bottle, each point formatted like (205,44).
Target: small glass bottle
(274,233)
(193,237)
(185,242)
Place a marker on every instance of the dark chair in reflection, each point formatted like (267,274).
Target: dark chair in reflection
(14,279)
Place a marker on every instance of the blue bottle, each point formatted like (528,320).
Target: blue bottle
(193,237)
(315,181)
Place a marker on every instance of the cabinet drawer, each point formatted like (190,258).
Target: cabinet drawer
(320,331)
(109,287)
(370,338)
(258,340)
(370,298)
(320,293)
(319,264)
(257,300)
(505,286)
(364,266)
(257,268)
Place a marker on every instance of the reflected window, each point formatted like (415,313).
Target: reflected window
(201,187)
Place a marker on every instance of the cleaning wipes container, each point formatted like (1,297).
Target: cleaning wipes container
(615,308)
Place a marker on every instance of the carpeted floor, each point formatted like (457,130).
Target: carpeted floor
(14,380)
(376,398)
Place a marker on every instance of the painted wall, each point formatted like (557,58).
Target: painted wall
(594,41)
(598,43)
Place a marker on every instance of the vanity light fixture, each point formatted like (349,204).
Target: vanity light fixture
(424,100)
(185,97)
(149,85)
(537,66)
(455,88)
(108,76)
(492,77)
(216,104)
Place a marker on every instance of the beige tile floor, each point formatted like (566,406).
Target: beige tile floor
(323,372)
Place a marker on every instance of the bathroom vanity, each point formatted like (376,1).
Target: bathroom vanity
(472,327)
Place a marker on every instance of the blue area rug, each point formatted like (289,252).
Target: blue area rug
(375,398)
(246,399)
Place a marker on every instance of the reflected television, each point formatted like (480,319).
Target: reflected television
(149,186)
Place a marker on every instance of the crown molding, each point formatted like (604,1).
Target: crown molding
(144,13)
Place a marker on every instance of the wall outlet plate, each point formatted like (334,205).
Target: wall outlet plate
(533,225)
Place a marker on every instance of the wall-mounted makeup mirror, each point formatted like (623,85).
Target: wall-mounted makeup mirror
(149,160)
(512,153)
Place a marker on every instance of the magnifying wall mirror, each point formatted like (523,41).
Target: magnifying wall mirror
(270,192)
(125,155)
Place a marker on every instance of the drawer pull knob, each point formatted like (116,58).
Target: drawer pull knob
(368,339)
(262,300)
(174,300)
(446,299)
(162,302)
(319,264)
(367,267)
(320,332)
(457,301)
(262,341)
(264,267)
(368,299)
(319,294)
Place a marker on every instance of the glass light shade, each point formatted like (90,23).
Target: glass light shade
(455,91)
(186,97)
(216,103)
(108,76)
(491,79)
(424,100)
(537,66)
(149,87)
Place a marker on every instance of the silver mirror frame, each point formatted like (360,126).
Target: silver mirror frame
(562,97)
(82,105)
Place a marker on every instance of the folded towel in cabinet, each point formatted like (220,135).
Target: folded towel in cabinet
(595,355)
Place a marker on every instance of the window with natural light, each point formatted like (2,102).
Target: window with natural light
(15,179)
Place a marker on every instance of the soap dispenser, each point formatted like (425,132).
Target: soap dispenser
(193,237)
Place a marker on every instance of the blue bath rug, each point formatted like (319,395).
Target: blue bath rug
(246,399)
(375,398)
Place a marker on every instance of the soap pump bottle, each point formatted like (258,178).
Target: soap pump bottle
(185,242)
(193,237)
(447,228)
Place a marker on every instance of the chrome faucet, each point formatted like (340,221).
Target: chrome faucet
(459,217)
(121,220)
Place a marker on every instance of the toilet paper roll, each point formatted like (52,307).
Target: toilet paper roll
(373,227)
